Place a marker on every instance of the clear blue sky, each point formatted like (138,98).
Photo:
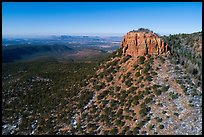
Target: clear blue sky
(99,18)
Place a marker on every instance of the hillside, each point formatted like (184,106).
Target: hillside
(186,50)
(142,88)
(140,91)
(20,52)
(39,95)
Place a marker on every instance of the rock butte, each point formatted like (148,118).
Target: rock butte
(136,43)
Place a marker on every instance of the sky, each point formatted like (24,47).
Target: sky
(99,18)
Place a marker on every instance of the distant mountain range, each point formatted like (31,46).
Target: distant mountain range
(62,39)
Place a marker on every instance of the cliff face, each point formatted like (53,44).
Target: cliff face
(143,43)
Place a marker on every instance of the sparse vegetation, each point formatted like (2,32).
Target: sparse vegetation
(144,110)
(137,74)
(126,58)
(114,97)
(151,127)
(128,82)
(184,53)
(159,119)
(141,60)
(164,88)
(161,126)
(176,114)
(43,82)
(157,92)
(173,95)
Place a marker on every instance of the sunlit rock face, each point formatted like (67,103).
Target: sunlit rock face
(136,43)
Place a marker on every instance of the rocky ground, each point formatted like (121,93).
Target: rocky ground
(189,121)
(180,107)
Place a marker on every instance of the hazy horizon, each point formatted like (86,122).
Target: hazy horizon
(90,35)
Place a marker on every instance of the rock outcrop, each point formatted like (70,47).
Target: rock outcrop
(138,43)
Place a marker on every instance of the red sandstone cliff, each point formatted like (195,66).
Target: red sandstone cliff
(143,43)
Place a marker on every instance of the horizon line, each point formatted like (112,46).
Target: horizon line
(85,34)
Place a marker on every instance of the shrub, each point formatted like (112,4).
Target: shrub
(128,74)
(146,69)
(195,71)
(190,105)
(114,63)
(151,127)
(139,79)
(161,59)
(142,85)
(141,124)
(161,126)
(164,88)
(173,96)
(101,75)
(147,100)
(117,122)
(114,131)
(129,132)
(141,59)
(178,81)
(146,92)
(176,68)
(104,102)
(132,89)
(109,79)
(148,77)
(136,130)
(144,132)
(152,96)
(164,112)
(155,86)
(143,30)
(103,94)
(144,111)
(149,56)
(98,87)
(127,116)
(155,133)
(117,88)
(154,73)
(194,93)
(159,119)
(106,132)
(157,92)
(117,68)
(128,82)
(114,103)
(110,70)
(176,114)
(119,113)
(135,66)
(148,118)
(135,102)
(140,96)
(126,58)
(137,74)
(119,52)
